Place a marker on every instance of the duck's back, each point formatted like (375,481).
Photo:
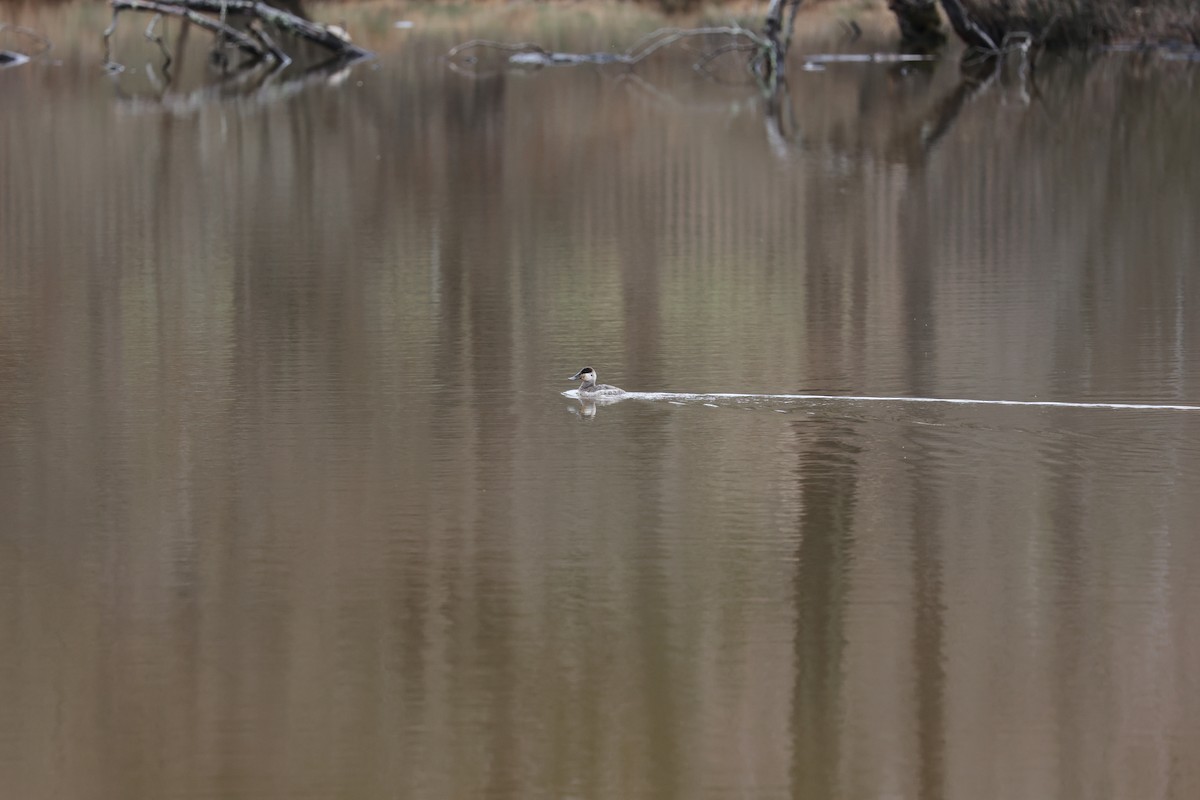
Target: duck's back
(601,388)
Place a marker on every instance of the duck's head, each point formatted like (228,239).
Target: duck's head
(587,375)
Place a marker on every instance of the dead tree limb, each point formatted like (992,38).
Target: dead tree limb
(212,15)
(154,36)
(239,40)
(328,36)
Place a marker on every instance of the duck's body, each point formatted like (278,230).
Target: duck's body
(589,388)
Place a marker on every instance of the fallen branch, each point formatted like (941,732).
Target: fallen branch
(240,40)
(330,37)
(257,44)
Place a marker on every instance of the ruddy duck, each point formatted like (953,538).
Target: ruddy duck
(588,386)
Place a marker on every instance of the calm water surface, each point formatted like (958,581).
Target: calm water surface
(291,506)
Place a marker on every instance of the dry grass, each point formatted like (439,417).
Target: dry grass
(1055,23)
(1060,24)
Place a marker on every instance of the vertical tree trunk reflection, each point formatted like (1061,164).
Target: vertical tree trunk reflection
(828,477)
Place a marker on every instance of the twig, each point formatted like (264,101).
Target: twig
(109,64)
(524,47)
(702,65)
(278,54)
(675,34)
(162,46)
(648,38)
(224,14)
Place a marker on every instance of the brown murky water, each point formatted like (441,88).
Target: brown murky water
(292,506)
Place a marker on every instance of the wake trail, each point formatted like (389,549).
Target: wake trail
(690,396)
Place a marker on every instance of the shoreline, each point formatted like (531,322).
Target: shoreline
(1076,25)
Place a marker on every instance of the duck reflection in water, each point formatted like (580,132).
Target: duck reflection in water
(588,405)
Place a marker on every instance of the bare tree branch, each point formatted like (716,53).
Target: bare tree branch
(702,64)
(240,40)
(276,52)
(154,36)
(329,37)
(213,16)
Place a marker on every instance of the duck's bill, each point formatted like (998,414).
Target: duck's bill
(575,377)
